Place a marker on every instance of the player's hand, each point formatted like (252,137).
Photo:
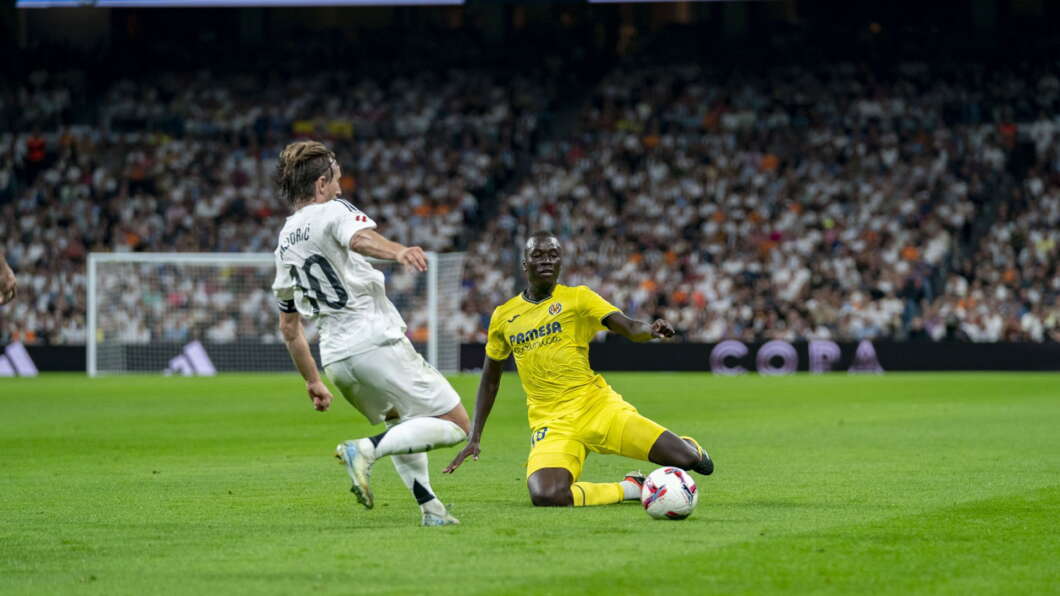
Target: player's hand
(662,329)
(472,449)
(318,392)
(413,256)
(8,283)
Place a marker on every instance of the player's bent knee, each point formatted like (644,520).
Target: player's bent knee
(553,497)
(550,488)
(459,417)
(453,433)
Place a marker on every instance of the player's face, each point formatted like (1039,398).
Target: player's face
(542,260)
(327,190)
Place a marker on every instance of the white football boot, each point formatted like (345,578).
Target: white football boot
(436,514)
(354,455)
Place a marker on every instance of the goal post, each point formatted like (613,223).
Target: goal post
(186,313)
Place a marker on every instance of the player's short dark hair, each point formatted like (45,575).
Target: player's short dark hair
(300,164)
(539,235)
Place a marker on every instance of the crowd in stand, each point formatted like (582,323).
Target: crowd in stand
(914,201)
(1007,290)
(805,202)
(184,163)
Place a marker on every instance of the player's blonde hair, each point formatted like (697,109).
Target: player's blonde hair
(301,164)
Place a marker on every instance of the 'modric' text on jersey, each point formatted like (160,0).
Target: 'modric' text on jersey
(294,237)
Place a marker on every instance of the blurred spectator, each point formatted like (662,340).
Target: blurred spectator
(913,200)
(182,163)
(798,203)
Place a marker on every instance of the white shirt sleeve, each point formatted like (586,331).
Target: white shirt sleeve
(347,220)
(283,286)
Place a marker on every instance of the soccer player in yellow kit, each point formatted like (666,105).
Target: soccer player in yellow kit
(572,410)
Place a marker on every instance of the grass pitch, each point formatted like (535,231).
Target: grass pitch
(943,483)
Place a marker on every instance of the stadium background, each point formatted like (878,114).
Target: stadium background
(766,174)
(752,171)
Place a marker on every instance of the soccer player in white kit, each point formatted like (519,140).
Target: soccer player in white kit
(322,274)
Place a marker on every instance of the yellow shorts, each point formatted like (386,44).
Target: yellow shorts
(610,426)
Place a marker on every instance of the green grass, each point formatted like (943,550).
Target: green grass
(941,483)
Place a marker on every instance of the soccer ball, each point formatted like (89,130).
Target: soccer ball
(669,493)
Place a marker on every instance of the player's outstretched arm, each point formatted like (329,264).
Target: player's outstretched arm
(638,331)
(487,394)
(298,347)
(8,283)
(370,243)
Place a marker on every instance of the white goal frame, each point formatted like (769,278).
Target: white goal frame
(235,258)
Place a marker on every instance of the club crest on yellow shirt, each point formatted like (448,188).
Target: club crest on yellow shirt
(554,308)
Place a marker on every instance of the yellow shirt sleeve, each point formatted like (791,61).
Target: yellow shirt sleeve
(497,347)
(594,308)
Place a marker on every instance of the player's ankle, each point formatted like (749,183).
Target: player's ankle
(434,507)
(367,447)
(630,490)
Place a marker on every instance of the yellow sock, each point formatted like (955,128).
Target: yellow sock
(596,493)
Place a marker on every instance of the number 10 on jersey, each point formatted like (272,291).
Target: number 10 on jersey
(315,293)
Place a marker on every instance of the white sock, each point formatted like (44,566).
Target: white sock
(415,436)
(412,467)
(631,491)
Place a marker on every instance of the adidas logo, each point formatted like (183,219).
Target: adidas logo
(193,361)
(15,362)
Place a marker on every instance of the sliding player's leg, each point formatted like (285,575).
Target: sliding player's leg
(554,465)
(633,435)
(671,450)
(615,427)
(550,487)
(553,487)
(665,449)
(612,427)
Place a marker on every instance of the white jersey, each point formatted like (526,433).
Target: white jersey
(318,276)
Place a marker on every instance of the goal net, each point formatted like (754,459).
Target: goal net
(199,313)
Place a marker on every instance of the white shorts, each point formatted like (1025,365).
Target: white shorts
(392,377)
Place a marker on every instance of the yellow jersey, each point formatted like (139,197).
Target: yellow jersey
(550,341)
